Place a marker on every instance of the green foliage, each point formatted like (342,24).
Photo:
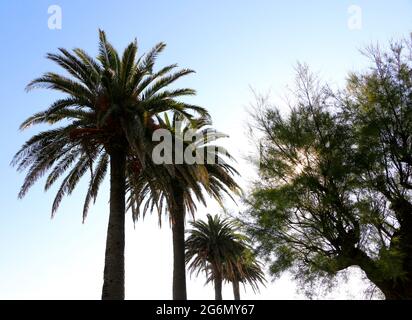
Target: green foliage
(335,176)
(212,244)
(216,179)
(248,270)
(110,103)
(216,247)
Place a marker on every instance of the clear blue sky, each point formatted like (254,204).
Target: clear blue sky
(231,44)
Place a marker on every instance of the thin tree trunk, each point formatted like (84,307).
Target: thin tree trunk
(113,286)
(236,290)
(218,285)
(178,230)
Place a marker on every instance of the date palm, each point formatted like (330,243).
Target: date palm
(177,187)
(214,246)
(106,119)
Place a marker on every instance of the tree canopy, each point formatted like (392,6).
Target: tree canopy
(335,175)
(106,119)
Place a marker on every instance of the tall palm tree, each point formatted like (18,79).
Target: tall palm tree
(246,271)
(107,117)
(214,247)
(177,187)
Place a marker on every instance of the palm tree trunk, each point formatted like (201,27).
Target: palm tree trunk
(236,290)
(113,286)
(218,284)
(178,230)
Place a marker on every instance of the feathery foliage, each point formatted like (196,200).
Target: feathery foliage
(155,191)
(106,117)
(110,101)
(215,247)
(335,177)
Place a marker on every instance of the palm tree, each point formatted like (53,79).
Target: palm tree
(214,247)
(107,117)
(177,187)
(247,271)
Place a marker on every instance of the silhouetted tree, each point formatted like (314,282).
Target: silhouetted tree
(336,176)
(107,119)
(246,271)
(214,246)
(177,187)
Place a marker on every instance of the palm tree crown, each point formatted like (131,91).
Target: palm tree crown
(247,270)
(177,187)
(214,178)
(215,247)
(110,103)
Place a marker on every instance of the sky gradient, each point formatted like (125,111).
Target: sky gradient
(232,46)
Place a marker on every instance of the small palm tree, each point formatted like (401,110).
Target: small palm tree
(177,187)
(107,117)
(214,247)
(247,271)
